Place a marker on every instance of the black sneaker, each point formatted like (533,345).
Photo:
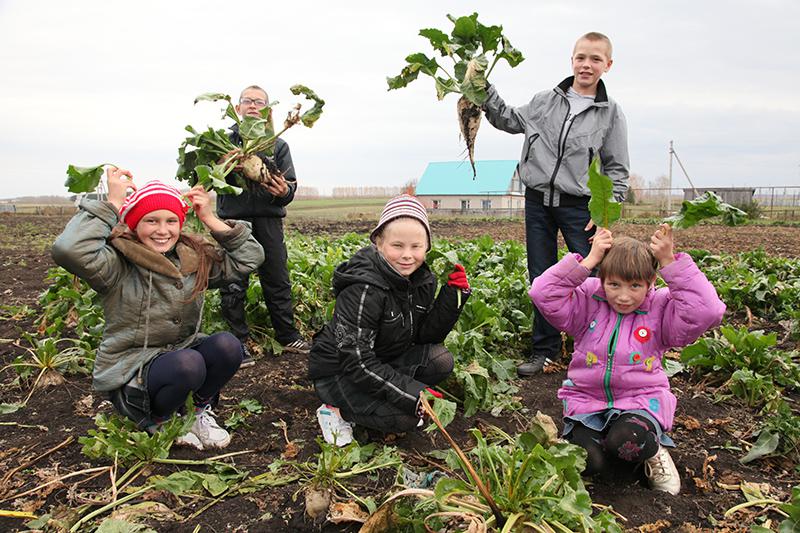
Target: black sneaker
(534,366)
(298,346)
(247,357)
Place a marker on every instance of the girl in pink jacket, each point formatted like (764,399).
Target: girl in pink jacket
(617,400)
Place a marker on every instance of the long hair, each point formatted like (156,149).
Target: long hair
(207,255)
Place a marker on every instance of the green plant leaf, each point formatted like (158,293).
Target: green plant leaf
(766,444)
(511,54)
(445,410)
(312,115)
(707,205)
(212,179)
(8,408)
(474,84)
(438,39)
(83,179)
(604,209)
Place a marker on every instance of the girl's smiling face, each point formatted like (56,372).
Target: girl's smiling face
(403,243)
(625,296)
(159,230)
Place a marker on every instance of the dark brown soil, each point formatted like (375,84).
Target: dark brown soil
(709,467)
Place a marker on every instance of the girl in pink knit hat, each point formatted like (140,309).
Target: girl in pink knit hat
(383,347)
(151,278)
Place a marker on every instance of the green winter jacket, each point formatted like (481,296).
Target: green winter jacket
(144,294)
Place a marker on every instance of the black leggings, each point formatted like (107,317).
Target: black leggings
(203,369)
(630,438)
(389,418)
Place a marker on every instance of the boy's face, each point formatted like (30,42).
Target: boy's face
(251,102)
(625,296)
(403,244)
(589,61)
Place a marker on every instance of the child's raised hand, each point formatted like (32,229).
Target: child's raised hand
(662,245)
(201,204)
(601,242)
(117,185)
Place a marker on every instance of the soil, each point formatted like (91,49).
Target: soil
(709,434)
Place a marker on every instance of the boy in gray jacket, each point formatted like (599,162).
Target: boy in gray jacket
(564,128)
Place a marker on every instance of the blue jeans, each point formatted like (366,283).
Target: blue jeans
(542,225)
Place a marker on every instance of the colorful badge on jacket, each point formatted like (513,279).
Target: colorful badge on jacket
(591,359)
(642,333)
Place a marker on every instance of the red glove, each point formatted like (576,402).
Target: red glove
(435,393)
(458,278)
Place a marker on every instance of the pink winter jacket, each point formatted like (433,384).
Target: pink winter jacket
(617,358)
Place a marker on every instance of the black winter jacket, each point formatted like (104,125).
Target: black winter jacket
(379,315)
(255,200)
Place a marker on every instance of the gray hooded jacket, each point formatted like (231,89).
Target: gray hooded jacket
(557,152)
(144,294)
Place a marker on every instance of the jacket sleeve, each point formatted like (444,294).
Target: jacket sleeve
(241,254)
(356,319)
(82,247)
(614,154)
(283,158)
(443,315)
(501,116)
(691,305)
(562,294)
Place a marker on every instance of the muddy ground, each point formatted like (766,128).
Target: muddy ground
(709,434)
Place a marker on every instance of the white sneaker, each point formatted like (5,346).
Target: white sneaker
(189,440)
(661,472)
(335,429)
(208,431)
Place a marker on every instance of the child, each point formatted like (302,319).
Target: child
(617,400)
(564,128)
(382,348)
(151,279)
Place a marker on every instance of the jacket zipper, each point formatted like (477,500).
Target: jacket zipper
(612,347)
(411,313)
(562,135)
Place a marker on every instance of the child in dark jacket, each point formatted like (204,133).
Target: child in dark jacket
(151,277)
(617,400)
(383,347)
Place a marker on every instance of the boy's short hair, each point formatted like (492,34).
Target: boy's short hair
(596,36)
(629,260)
(257,88)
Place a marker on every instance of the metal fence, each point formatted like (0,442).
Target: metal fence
(780,202)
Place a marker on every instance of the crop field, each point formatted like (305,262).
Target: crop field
(67,463)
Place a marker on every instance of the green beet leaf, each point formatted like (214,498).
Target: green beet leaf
(312,115)
(707,205)
(83,179)
(603,208)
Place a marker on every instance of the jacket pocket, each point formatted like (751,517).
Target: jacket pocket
(529,151)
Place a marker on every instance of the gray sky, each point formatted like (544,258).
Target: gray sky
(88,82)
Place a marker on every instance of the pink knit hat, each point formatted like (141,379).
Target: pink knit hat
(154,195)
(402,206)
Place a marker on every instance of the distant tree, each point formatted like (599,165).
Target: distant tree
(662,192)
(635,188)
(410,187)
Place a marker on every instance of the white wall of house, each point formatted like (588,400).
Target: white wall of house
(472,202)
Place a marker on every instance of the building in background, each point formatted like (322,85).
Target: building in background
(448,187)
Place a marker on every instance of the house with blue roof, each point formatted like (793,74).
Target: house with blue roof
(448,186)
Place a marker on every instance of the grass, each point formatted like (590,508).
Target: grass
(336,208)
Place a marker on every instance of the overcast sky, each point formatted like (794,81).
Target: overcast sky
(88,82)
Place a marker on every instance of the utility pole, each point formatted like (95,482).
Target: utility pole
(669,192)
